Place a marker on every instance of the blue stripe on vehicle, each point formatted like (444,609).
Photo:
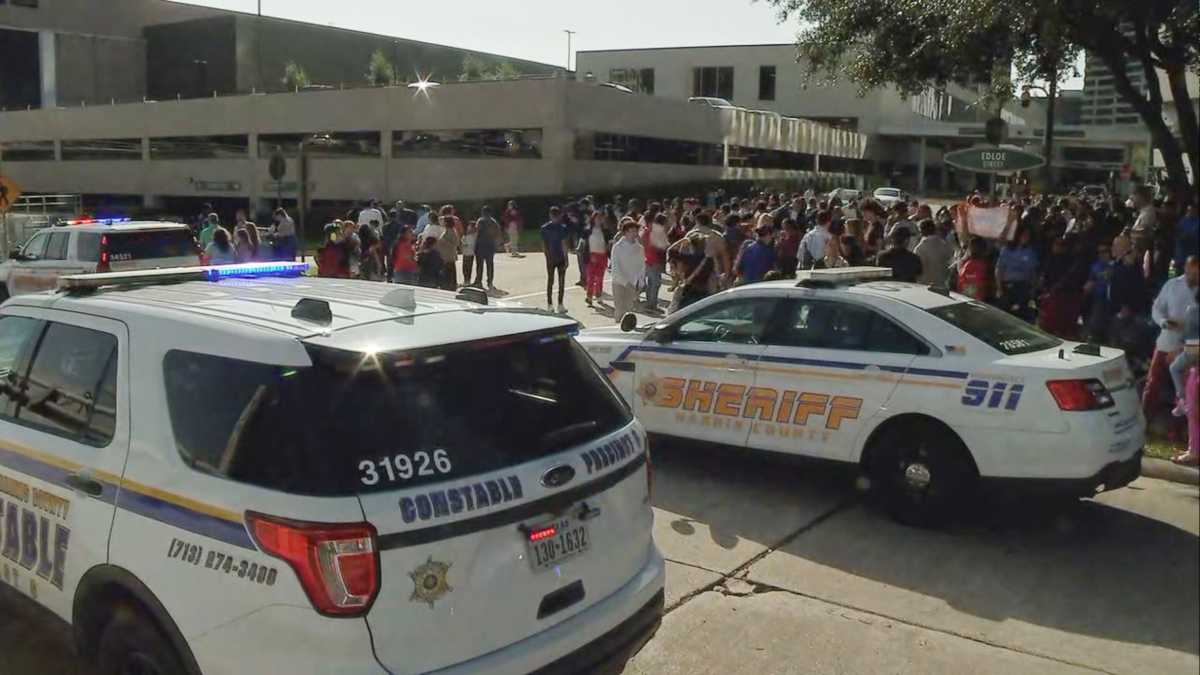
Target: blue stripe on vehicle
(797,361)
(185,519)
(134,501)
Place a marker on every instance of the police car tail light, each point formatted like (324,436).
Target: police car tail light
(337,564)
(103,265)
(1075,395)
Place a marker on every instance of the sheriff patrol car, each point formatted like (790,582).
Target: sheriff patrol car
(240,470)
(927,390)
(95,245)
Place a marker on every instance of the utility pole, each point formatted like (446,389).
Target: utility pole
(1051,94)
(569,33)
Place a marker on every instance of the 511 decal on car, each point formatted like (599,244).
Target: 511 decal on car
(984,394)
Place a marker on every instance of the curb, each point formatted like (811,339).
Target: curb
(1165,470)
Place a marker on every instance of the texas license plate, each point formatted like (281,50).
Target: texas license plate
(570,538)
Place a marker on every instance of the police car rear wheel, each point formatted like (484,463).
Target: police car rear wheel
(924,477)
(133,645)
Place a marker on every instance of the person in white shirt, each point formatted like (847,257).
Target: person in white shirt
(935,254)
(1168,312)
(1146,222)
(434,230)
(902,222)
(285,235)
(815,241)
(372,215)
(628,269)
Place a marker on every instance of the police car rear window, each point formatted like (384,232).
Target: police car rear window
(1001,330)
(147,244)
(354,423)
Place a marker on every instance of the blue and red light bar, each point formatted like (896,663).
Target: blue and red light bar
(211,273)
(97,221)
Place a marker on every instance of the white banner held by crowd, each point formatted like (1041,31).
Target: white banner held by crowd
(992,222)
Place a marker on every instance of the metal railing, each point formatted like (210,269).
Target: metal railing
(31,213)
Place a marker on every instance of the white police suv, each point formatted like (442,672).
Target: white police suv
(91,245)
(927,390)
(225,470)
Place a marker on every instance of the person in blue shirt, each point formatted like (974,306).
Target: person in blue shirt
(554,242)
(757,258)
(1016,273)
(1099,277)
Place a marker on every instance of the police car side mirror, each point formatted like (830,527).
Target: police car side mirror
(661,333)
(15,254)
(628,322)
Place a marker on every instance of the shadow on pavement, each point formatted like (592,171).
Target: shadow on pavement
(1083,567)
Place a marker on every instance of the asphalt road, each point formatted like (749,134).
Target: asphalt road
(781,568)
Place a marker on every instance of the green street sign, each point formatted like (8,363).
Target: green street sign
(991,159)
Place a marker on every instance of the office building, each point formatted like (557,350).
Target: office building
(90,52)
(906,137)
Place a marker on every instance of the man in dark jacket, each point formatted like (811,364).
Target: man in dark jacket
(906,265)
(391,232)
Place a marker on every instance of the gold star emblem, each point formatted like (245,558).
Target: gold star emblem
(429,581)
(649,389)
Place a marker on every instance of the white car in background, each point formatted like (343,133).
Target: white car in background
(931,393)
(845,194)
(713,102)
(888,196)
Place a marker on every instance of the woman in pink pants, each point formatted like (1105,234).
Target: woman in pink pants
(1192,401)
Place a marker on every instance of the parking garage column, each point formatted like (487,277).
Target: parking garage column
(149,201)
(49,68)
(921,152)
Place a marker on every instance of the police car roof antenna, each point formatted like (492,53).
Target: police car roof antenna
(311,309)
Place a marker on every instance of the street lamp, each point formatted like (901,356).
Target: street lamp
(1048,143)
(570,34)
(320,140)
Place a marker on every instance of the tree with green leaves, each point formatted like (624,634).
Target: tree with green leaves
(380,71)
(916,44)
(475,68)
(294,76)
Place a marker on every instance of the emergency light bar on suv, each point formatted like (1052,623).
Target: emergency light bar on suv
(90,282)
(843,276)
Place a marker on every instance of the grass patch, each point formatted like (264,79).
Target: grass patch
(1160,448)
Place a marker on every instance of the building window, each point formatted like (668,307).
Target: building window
(640,80)
(352,144)
(766,83)
(27,151)
(603,146)
(200,147)
(468,144)
(713,81)
(1096,155)
(102,148)
(762,158)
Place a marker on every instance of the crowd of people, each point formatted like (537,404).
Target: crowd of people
(1111,272)
(421,246)
(1108,271)
(246,241)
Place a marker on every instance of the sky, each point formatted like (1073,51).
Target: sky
(533,29)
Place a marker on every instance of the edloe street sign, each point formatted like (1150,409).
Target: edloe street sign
(993,159)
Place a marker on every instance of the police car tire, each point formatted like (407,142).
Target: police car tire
(130,637)
(951,475)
